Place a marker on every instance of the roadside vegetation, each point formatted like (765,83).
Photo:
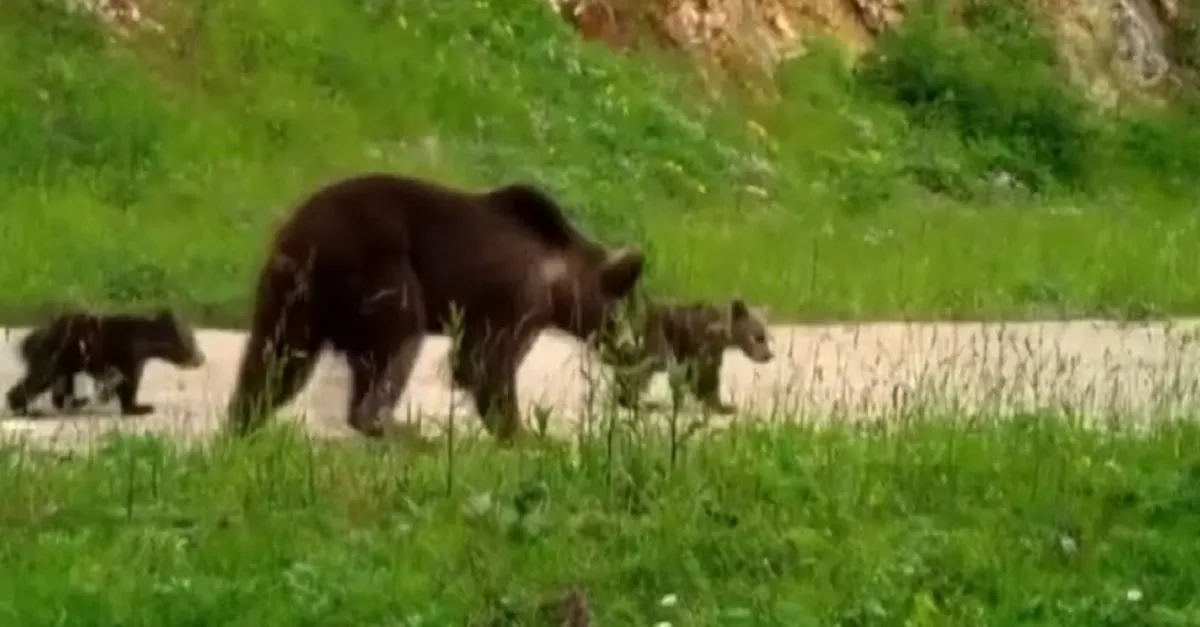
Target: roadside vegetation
(1026,521)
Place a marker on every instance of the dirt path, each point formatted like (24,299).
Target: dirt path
(864,370)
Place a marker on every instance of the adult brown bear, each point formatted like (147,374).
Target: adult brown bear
(368,264)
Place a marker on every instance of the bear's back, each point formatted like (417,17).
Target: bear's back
(465,247)
(380,214)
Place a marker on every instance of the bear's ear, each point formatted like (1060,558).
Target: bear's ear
(621,271)
(738,309)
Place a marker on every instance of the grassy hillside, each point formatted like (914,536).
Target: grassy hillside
(952,175)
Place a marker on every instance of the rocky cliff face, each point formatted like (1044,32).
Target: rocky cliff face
(1110,47)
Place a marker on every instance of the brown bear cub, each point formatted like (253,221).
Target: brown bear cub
(694,335)
(367,265)
(111,348)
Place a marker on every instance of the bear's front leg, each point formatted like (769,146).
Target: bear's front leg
(378,380)
(488,370)
(496,402)
(393,319)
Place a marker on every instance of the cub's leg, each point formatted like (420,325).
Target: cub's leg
(706,384)
(39,376)
(634,367)
(630,382)
(106,386)
(627,388)
(126,389)
(62,394)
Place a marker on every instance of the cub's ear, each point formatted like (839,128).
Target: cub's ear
(622,271)
(738,308)
(164,314)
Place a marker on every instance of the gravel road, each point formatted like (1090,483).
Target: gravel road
(1095,368)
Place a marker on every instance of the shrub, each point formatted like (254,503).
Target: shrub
(995,87)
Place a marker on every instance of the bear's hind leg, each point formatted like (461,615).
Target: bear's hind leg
(282,350)
(276,364)
(270,377)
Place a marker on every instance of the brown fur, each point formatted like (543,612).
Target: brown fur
(694,335)
(367,265)
(111,348)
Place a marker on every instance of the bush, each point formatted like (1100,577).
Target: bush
(1166,144)
(995,88)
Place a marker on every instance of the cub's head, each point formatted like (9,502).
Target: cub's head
(172,340)
(748,331)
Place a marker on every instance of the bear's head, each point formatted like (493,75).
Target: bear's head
(591,289)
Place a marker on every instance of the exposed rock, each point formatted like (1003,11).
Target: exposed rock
(1114,47)
(598,20)
(122,16)
(1139,37)
(879,15)
(1110,47)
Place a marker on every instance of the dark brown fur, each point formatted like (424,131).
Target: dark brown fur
(694,335)
(111,348)
(367,265)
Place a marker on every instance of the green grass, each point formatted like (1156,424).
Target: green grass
(1032,521)
(151,170)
